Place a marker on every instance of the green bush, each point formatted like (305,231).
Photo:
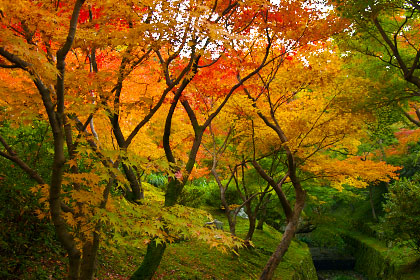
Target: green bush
(212,197)
(192,196)
(28,247)
(157,179)
(402,212)
(326,236)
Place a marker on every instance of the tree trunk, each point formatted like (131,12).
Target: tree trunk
(276,257)
(134,184)
(252,223)
(372,204)
(260,224)
(232,224)
(155,251)
(88,266)
(173,191)
(252,219)
(74,266)
(231,220)
(263,212)
(150,262)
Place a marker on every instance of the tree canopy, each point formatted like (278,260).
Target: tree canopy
(127,89)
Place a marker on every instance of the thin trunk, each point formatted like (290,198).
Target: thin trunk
(277,256)
(150,262)
(90,248)
(263,212)
(232,223)
(252,219)
(136,189)
(64,236)
(372,204)
(231,220)
(252,223)
(260,225)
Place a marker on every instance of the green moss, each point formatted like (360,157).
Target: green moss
(191,259)
(195,260)
(377,261)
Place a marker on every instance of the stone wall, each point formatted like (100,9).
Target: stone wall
(306,269)
(374,260)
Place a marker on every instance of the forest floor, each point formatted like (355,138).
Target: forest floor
(192,259)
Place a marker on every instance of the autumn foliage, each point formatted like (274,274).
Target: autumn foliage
(133,88)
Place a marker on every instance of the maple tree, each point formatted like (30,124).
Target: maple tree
(307,118)
(76,64)
(93,86)
(383,41)
(226,162)
(157,74)
(230,166)
(385,32)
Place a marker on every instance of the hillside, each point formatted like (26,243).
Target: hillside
(195,260)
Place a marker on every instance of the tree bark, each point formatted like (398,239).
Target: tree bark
(136,189)
(150,262)
(252,223)
(155,251)
(260,225)
(263,217)
(88,266)
(231,220)
(372,206)
(288,235)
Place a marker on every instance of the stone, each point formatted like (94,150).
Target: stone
(242,214)
(215,223)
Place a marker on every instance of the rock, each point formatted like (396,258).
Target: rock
(216,223)
(242,214)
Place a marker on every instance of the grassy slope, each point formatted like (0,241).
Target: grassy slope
(195,260)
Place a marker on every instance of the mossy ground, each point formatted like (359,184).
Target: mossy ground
(192,259)
(378,261)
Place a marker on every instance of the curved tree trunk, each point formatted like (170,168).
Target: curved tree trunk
(135,186)
(231,220)
(263,212)
(260,225)
(252,219)
(288,235)
(252,224)
(150,262)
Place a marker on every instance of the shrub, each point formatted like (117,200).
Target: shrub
(213,195)
(192,196)
(402,212)
(28,247)
(157,179)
